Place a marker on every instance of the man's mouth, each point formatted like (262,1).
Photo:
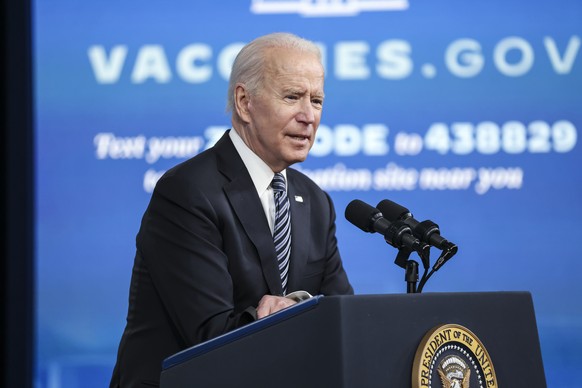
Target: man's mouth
(299,137)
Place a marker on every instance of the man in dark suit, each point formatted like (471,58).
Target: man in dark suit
(219,245)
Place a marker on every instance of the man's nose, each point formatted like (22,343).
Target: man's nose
(307,113)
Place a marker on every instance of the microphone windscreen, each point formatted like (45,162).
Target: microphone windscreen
(361,215)
(391,210)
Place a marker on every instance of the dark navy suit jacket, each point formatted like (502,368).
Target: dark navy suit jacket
(205,255)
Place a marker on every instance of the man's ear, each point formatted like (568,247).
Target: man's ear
(241,102)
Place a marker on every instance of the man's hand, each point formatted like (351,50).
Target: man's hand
(270,304)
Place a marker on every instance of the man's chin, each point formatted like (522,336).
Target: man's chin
(298,158)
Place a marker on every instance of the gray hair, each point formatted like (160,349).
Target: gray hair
(248,66)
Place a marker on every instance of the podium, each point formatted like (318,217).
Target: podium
(362,341)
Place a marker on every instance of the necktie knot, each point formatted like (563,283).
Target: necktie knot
(278,184)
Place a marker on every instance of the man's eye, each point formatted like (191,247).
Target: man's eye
(291,97)
(317,101)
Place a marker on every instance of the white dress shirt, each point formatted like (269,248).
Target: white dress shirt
(261,175)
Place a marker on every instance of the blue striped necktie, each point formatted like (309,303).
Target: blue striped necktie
(282,229)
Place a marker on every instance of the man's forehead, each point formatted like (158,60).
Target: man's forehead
(297,83)
(282,60)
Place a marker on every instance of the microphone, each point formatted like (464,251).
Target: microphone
(370,220)
(427,231)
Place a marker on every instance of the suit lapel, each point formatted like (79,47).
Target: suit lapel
(246,204)
(300,227)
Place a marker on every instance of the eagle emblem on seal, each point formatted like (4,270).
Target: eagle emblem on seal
(454,372)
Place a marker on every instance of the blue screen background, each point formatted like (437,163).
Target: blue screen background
(467,113)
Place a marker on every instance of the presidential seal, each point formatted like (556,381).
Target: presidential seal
(451,356)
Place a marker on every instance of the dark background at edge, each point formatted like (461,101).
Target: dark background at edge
(16,193)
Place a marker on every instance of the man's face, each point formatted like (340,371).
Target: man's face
(283,116)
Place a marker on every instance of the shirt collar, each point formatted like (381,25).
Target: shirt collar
(261,174)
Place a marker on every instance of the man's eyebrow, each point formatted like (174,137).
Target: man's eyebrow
(300,90)
(295,90)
